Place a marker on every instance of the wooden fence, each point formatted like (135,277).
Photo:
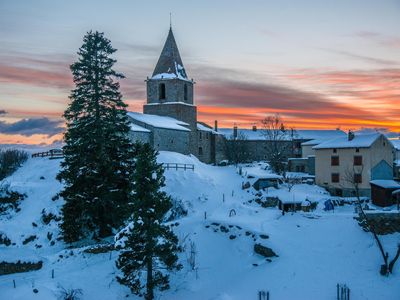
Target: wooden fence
(176,166)
(51,154)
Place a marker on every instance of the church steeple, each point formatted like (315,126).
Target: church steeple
(170,64)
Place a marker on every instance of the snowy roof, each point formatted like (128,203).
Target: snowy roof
(259,134)
(170,64)
(396,144)
(159,121)
(386,183)
(205,128)
(359,141)
(397,162)
(138,128)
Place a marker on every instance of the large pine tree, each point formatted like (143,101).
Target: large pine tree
(98,154)
(149,246)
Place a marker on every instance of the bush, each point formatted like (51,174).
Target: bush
(10,161)
(69,294)
(4,239)
(9,199)
(48,217)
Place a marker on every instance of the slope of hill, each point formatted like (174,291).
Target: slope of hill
(315,250)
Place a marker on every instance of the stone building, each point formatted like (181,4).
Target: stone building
(169,119)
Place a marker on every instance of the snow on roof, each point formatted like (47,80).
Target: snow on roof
(386,183)
(205,128)
(138,128)
(359,141)
(159,121)
(170,102)
(259,134)
(396,144)
(397,162)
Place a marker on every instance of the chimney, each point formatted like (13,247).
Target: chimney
(235,131)
(350,135)
(254,128)
(216,125)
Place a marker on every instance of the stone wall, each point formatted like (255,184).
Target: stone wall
(139,136)
(171,140)
(19,267)
(174,91)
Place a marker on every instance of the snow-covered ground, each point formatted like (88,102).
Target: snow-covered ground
(316,250)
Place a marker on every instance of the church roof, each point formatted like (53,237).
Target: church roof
(170,64)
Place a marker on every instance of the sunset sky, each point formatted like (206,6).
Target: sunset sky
(320,64)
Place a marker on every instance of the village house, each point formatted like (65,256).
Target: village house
(396,166)
(355,159)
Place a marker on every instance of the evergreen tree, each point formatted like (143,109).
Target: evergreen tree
(149,246)
(98,155)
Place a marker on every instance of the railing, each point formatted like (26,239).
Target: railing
(176,166)
(52,154)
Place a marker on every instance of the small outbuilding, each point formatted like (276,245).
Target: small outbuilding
(384,192)
(266,181)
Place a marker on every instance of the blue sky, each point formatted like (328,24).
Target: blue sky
(309,60)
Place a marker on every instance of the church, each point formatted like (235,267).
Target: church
(169,119)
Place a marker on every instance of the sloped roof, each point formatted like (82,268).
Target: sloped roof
(299,134)
(138,128)
(170,64)
(396,144)
(159,121)
(359,141)
(386,183)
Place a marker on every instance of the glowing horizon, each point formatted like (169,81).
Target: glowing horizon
(324,74)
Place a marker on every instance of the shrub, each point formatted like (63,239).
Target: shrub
(10,161)
(4,239)
(48,217)
(9,199)
(69,294)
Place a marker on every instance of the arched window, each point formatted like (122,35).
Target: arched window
(161,92)
(200,150)
(185,92)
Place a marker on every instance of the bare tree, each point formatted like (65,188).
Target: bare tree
(352,176)
(236,148)
(278,142)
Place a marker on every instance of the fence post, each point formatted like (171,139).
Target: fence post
(337,291)
(52,273)
(223,197)
(205,215)
(14,283)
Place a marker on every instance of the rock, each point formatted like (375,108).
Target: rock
(246,185)
(232,237)
(255,265)
(35,291)
(264,251)
(248,233)
(224,229)
(264,236)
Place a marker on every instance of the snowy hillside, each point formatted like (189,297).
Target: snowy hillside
(315,250)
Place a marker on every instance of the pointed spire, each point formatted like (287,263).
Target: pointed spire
(170,61)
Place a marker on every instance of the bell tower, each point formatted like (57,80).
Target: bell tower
(169,91)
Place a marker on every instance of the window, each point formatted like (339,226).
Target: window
(334,150)
(185,92)
(357,149)
(334,160)
(200,135)
(358,160)
(161,92)
(335,177)
(200,150)
(357,178)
